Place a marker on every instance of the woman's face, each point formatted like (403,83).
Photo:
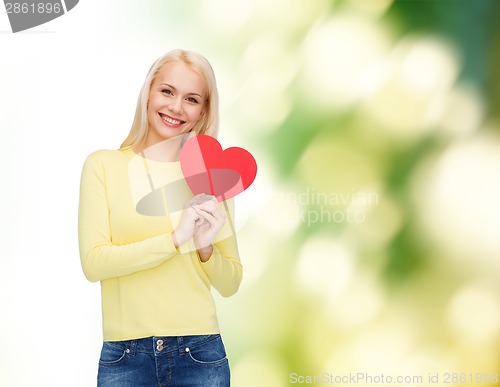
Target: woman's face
(176,102)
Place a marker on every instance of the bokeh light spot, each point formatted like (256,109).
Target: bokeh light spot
(474,315)
(462,111)
(339,54)
(448,196)
(412,86)
(325,267)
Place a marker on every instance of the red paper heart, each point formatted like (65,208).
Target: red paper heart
(209,169)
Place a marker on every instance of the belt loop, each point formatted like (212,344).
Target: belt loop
(180,344)
(133,347)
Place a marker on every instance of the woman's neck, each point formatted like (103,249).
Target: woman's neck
(164,151)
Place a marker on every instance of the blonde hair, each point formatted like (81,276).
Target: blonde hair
(207,124)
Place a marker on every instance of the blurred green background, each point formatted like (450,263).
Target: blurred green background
(371,237)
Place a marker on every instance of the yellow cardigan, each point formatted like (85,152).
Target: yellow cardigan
(128,205)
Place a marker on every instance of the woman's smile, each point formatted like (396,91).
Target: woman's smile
(170,121)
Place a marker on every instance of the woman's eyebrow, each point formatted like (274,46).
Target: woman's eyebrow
(173,87)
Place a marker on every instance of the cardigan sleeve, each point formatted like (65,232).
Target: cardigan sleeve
(100,258)
(224,268)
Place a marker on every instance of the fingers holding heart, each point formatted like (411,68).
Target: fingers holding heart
(210,212)
(200,198)
(202,218)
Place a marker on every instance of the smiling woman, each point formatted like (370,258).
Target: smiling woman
(176,102)
(180,80)
(157,267)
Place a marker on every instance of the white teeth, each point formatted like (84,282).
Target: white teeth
(170,120)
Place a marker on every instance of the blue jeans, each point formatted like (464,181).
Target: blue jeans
(171,361)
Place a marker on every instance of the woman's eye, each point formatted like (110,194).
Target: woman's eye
(192,100)
(166,91)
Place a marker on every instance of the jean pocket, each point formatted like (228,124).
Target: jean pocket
(210,352)
(113,353)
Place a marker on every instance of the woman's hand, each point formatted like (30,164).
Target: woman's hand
(201,219)
(212,220)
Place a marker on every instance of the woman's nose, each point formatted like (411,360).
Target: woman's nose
(176,106)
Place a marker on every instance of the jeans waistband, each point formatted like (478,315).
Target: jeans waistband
(164,344)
